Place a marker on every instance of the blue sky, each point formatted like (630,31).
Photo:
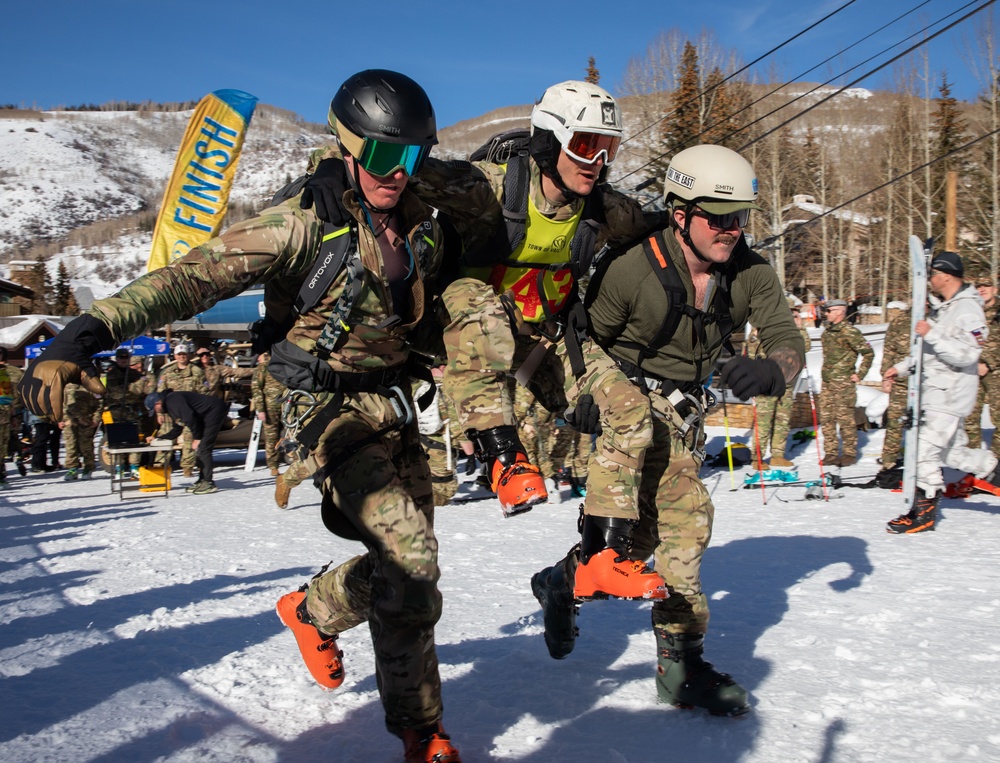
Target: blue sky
(470,57)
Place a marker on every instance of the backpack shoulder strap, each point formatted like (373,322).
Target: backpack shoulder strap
(337,243)
(670,280)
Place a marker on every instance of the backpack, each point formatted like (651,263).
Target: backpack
(670,279)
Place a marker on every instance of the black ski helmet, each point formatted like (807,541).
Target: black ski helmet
(384,105)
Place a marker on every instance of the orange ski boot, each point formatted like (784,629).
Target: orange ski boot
(429,745)
(605,569)
(319,651)
(519,484)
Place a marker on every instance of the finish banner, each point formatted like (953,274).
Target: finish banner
(195,201)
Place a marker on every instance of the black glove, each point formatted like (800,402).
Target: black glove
(585,418)
(325,189)
(66,359)
(748,378)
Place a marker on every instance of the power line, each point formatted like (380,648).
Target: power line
(742,69)
(864,76)
(829,97)
(841,74)
(799,226)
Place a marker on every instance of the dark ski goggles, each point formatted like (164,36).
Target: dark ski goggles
(380,158)
(587,146)
(728,221)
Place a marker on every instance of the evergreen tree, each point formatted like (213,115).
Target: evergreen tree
(65,301)
(593,74)
(683,122)
(949,132)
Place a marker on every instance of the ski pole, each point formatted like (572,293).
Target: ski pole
(819,451)
(729,444)
(760,461)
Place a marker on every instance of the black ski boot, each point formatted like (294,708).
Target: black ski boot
(553,587)
(684,679)
(518,483)
(923,516)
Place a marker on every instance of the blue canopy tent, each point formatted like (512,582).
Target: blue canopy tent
(141,346)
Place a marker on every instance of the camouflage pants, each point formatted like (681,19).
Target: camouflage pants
(272,432)
(837,405)
(675,523)
(4,440)
(79,442)
(441,460)
(483,349)
(942,442)
(989,394)
(892,445)
(378,489)
(774,415)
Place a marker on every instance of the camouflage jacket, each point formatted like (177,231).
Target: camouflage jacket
(842,345)
(80,407)
(629,304)
(126,388)
(991,350)
(189,379)
(213,379)
(279,248)
(263,387)
(896,344)
(9,402)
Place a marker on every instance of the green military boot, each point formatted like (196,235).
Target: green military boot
(553,587)
(684,679)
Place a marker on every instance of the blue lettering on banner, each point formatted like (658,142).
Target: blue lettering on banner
(199,187)
(191,222)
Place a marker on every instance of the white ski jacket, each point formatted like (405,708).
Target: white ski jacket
(951,354)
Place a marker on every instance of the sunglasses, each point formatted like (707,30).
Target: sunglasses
(204,354)
(728,221)
(382,159)
(587,146)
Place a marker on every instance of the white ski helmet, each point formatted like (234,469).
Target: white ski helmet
(716,178)
(580,107)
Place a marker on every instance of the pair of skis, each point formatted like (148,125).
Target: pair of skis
(919,256)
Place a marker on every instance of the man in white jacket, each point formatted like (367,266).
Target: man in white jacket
(954,334)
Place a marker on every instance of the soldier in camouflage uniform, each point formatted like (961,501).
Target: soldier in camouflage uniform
(375,482)
(126,388)
(213,372)
(182,376)
(81,412)
(268,395)
(774,414)
(843,345)
(989,362)
(706,246)
(9,377)
(895,347)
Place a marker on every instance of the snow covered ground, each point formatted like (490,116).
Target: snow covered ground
(144,630)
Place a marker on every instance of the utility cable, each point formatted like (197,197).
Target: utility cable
(799,226)
(741,70)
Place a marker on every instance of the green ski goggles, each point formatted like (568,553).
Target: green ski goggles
(380,158)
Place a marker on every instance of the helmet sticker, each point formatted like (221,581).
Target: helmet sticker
(608,114)
(755,185)
(680,178)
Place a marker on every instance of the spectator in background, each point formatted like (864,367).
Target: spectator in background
(183,376)
(989,362)
(203,416)
(895,347)
(9,409)
(843,348)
